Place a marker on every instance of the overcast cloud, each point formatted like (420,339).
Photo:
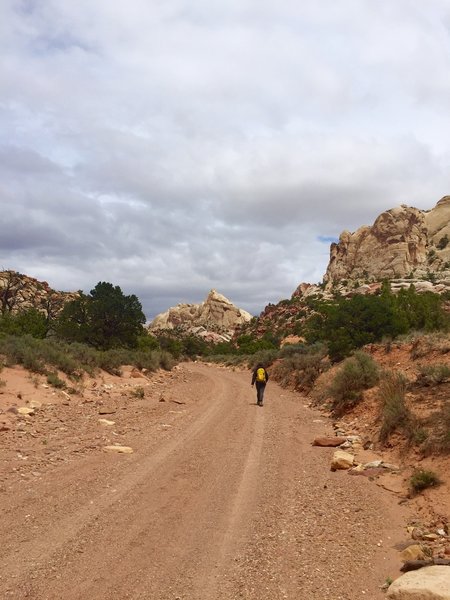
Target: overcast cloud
(170,147)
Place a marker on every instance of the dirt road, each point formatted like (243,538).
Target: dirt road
(221,499)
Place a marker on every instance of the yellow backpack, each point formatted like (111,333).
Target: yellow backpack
(261,374)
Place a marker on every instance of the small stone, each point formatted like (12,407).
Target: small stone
(106,410)
(374,464)
(331,442)
(417,533)
(106,422)
(390,466)
(119,449)
(413,552)
(25,411)
(430,537)
(342,460)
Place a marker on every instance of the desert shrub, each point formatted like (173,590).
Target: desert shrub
(438,439)
(443,242)
(138,392)
(166,360)
(359,372)
(55,381)
(44,356)
(422,479)
(394,412)
(265,357)
(301,368)
(433,374)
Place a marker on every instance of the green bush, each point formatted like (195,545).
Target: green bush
(358,373)
(422,479)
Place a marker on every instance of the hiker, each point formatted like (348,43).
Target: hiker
(260,377)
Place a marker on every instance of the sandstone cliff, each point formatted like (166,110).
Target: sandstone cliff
(216,314)
(403,242)
(19,292)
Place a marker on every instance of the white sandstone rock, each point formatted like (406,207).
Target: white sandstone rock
(429,583)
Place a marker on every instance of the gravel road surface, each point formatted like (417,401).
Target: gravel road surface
(221,499)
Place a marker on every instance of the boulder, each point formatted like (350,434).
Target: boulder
(429,583)
(342,460)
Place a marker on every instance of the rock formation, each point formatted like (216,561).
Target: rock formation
(19,293)
(403,242)
(216,315)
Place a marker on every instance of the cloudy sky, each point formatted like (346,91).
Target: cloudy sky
(174,146)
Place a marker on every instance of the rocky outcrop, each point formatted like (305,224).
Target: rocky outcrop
(20,293)
(215,315)
(431,582)
(403,242)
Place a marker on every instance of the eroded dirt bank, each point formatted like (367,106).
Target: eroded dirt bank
(220,499)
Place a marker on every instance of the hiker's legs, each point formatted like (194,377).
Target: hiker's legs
(260,387)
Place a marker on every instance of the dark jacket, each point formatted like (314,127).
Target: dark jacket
(254,375)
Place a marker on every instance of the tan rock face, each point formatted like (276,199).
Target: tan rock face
(401,242)
(216,313)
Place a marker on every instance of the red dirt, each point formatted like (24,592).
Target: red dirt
(220,499)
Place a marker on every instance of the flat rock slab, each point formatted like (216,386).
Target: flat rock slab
(107,410)
(329,442)
(25,411)
(119,449)
(429,583)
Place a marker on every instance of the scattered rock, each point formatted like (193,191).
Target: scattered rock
(429,583)
(25,411)
(373,465)
(342,460)
(325,442)
(35,404)
(119,449)
(106,422)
